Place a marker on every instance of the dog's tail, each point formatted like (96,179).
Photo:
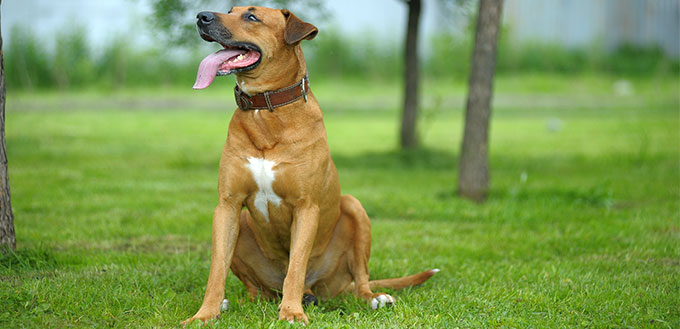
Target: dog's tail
(403,282)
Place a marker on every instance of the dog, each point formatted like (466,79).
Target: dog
(281,224)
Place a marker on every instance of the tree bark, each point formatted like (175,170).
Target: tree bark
(409,135)
(7,238)
(473,180)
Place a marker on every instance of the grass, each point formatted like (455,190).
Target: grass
(113,199)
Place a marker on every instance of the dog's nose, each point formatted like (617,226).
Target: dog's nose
(205,18)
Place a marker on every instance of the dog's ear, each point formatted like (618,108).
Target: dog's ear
(296,29)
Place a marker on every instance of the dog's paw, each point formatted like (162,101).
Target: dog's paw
(205,314)
(293,314)
(203,318)
(381,301)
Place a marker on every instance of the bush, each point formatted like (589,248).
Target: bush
(336,55)
(27,64)
(450,56)
(72,63)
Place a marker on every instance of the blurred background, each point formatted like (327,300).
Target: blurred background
(115,44)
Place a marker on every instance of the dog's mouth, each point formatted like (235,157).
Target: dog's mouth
(235,57)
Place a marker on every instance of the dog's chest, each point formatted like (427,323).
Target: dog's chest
(264,175)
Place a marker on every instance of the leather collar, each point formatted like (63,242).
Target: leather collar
(272,99)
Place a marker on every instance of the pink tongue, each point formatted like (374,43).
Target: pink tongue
(209,66)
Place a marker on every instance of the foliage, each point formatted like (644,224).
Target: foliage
(72,64)
(451,56)
(175,19)
(26,62)
(172,17)
(75,64)
(113,202)
(335,55)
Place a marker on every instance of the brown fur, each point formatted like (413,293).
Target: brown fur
(316,240)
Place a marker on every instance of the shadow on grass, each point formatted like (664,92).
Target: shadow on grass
(399,159)
(395,159)
(397,169)
(40,258)
(594,196)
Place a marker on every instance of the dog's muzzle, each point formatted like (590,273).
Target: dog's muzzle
(209,30)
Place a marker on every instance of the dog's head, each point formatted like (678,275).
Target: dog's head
(253,38)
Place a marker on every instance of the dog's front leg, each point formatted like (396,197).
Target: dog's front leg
(225,229)
(303,232)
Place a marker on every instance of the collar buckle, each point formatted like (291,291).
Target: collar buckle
(242,100)
(304,81)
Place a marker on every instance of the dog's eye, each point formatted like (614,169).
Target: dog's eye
(252,18)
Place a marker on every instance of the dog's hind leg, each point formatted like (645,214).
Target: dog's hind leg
(308,298)
(360,253)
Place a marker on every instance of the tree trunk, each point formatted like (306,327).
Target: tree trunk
(409,135)
(7,238)
(473,180)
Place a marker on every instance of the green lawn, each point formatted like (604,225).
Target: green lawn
(113,197)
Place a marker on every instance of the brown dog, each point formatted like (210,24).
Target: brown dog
(298,235)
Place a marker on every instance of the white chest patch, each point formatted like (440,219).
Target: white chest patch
(264,178)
